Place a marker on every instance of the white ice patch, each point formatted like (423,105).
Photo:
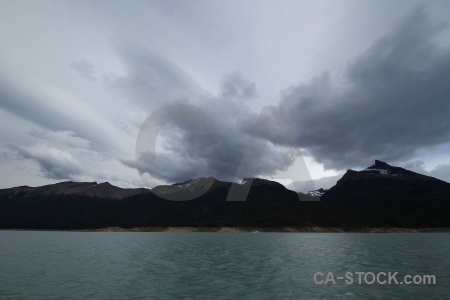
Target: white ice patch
(380,171)
(315,193)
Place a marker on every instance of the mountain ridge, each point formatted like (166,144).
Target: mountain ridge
(378,168)
(378,196)
(91,189)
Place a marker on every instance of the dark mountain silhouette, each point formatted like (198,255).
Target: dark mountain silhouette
(379,196)
(396,195)
(90,189)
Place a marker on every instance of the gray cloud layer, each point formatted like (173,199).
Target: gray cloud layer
(153,82)
(151,79)
(235,86)
(55,110)
(208,140)
(391,102)
(84,69)
(441,171)
(394,101)
(54,163)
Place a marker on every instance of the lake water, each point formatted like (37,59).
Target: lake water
(122,265)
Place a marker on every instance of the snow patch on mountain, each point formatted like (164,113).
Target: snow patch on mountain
(380,171)
(317,193)
(382,168)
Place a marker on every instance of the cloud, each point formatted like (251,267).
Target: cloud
(84,69)
(310,185)
(57,153)
(151,80)
(441,171)
(386,105)
(186,151)
(54,163)
(392,103)
(48,156)
(235,86)
(210,141)
(65,137)
(153,83)
(56,109)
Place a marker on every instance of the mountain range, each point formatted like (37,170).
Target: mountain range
(380,196)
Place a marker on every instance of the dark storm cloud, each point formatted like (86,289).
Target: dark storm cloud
(206,143)
(393,103)
(155,82)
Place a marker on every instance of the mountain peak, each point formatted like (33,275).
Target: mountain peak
(193,188)
(383,168)
(381,164)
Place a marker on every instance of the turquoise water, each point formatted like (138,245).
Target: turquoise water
(81,265)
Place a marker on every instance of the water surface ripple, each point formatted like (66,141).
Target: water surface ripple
(167,265)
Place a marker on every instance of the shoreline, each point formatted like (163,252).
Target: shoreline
(313,229)
(269,229)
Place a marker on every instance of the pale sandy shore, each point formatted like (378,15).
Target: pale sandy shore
(265,229)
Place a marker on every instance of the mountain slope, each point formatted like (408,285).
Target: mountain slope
(90,189)
(68,206)
(378,196)
(394,194)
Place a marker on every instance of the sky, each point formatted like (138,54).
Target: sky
(142,93)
